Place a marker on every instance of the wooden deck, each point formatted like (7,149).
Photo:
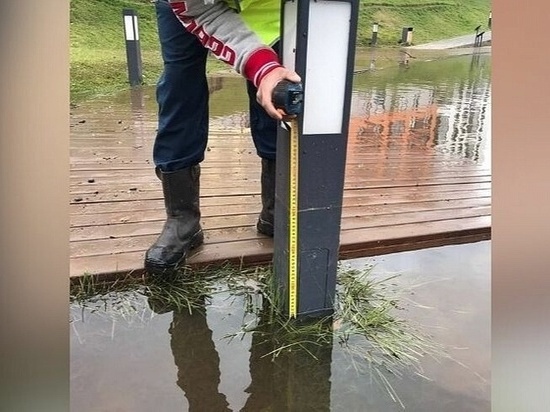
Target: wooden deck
(402,192)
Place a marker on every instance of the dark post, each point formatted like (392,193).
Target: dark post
(324,60)
(476,38)
(133,50)
(406,36)
(490,19)
(374,38)
(478,41)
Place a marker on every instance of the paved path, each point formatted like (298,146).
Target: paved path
(461,41)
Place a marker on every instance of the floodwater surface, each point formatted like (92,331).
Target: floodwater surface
(444,104)
(133,358)
(437,99)
(128,355)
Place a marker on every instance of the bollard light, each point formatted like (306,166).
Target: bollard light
(133,49)
(406,36)
(374,38)
(324,59)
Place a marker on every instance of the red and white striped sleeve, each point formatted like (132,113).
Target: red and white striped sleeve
(220,29)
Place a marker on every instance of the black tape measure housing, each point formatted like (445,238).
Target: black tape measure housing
(289,97)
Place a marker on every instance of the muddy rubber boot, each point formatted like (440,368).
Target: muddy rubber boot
(265,221)
(182,230)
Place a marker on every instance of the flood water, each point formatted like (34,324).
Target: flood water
(133,358)
(444,104)
(431,98)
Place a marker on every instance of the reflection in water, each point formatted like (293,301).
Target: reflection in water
(197,361)
(443,105)
(299,379)
(141,128)
(137,100)
(296,380)
(404,59)
(178,356)
(195,355)
(461,123)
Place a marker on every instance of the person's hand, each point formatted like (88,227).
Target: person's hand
(266,86)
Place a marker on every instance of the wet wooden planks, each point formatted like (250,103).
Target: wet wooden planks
(401,193)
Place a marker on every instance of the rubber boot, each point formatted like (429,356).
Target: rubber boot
(265,221)
(182,230)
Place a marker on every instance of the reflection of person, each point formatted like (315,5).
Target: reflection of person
(247,40)
(194,354)
(197,361)
(297,380)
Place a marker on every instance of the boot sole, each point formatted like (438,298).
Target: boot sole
(265,228)
(159,269)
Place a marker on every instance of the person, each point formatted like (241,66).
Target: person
(244,34)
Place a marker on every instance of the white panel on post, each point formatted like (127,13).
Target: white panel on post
(326,66)
(129,27)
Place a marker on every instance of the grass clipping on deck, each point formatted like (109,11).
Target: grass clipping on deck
(365,322)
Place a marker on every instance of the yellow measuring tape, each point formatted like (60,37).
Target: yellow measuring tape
(293,222)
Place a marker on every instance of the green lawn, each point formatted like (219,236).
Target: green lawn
(98,56)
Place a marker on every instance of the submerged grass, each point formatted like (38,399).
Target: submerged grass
(365,322)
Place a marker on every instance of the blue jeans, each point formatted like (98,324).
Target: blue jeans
(182,97)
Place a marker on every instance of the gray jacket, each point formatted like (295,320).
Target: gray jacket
(225,33)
